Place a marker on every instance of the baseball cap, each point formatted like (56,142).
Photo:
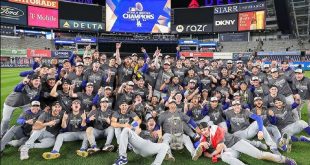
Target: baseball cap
(66,81)
(79,64)
(206,68)
(44,65)
(167,56)
(148,117)
(130,83)
(229,62)
(123,102)
(204,90)
(34,76)
(192,81)
(266,66)
(255,78)
(76,101)
(134,54)
(50,78)
(236,94)
(192,59)
(213,99)
(274,70)
(64,61)
(239,61)
(172,101)
(105,99)
(87,56)
(89,84)
(236,102)
(201,59)
(167,63)
(35,103)
(284,62)
(257,98)
(298,70)
(56,103)
(108,87)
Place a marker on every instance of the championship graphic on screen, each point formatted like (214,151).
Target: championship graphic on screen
(142,16)
(251,21)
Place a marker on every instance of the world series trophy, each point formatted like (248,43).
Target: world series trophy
(176,132)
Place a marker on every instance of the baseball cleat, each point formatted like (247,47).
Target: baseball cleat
(93,150)
(304,139)
(50,155)
(290,161)
(169,157)
(108,148)
(82,153)
(197,153)
(121,161)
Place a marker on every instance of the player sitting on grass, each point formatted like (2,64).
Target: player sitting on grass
(216,143)
(143,142)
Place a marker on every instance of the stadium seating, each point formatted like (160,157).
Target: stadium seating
(26,42)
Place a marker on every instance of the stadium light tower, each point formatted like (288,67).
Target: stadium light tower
(193,4)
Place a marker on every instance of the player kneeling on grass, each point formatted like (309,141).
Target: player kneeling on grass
(22,131)
(143,142)
(45,129)
(172,126)
(216,143)
(73,125)
(101,127)
(283,117)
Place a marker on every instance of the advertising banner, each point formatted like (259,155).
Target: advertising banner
(241,7)
(61,54)
(197,28)
(81,1)
(38,53)
(85,40)
(296,53)
(42,17)
(252,21)
(225,23)
(197,54)
(223,55)
(64,41)
(188,42)
(41,3)
(13,13)
(81,25)
(304,65)
(7,29)
(138,16)
(13,52)
(244,56)
(80,12)
(234,37)
(193,20)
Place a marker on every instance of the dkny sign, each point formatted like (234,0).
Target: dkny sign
(225,22)
(81,25)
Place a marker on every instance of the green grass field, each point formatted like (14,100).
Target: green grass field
(10,77)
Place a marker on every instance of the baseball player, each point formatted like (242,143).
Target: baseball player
(62,95)
(239,120)
(22,131)
(44,129)
(282,116)
(141,138)
(85,97)
(301,86)
(273,94)
(101,127)
(262,111)
(217,143)
(171,123)
(25,92)
(73,126)
(123,119)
